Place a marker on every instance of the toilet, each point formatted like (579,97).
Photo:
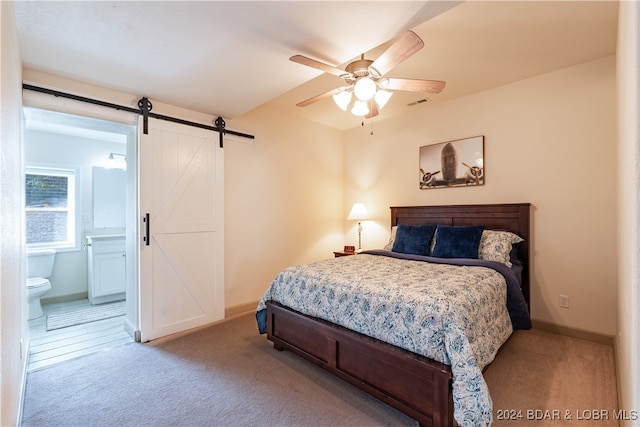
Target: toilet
(39,269)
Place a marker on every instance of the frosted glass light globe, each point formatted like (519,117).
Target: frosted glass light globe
(364,88)
(382,97)
(360,108)
(342,99)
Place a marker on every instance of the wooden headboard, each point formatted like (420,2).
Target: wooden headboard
(512,217)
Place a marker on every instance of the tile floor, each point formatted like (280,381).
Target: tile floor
(47,348)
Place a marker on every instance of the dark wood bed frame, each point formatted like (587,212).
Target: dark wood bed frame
(413,384)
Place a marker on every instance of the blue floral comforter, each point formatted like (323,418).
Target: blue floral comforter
(442,309)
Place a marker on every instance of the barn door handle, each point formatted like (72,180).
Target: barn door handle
(147,237)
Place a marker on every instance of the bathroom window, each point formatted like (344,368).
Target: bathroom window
(50,207)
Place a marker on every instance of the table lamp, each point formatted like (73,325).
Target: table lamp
(359,212)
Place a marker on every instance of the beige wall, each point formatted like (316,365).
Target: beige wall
(550,141)
(628,338)
(283,200)
(13,332)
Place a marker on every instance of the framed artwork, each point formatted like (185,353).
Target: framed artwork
(458,163)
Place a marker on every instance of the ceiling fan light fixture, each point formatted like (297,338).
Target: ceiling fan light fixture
(382,97)
(364,79)
(342,99)
(365,88)
(360,108)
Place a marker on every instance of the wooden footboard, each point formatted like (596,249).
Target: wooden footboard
(413,384)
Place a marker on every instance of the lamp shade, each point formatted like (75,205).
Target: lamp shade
(358,212)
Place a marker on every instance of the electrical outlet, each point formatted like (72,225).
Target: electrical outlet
(564,301)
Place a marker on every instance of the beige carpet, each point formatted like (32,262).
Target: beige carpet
(544,379)
(228,375)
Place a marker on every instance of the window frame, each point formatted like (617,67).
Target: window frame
(72,243)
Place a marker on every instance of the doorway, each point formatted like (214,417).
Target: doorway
(88,216)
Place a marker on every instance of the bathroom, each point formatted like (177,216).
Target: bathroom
(92,154)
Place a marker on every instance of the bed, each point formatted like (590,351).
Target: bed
(374,343)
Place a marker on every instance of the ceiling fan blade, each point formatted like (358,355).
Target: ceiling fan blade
(403,48)
(318,97)
(412,85)
(318,65)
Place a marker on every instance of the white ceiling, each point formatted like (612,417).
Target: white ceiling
(225,58)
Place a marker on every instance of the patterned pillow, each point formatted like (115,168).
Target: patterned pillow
(496,246)
(389,245)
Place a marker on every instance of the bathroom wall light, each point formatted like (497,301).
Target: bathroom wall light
(112,163)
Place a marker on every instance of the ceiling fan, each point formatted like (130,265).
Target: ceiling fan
(365,79)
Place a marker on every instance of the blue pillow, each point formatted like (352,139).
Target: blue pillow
(413,239)
(457,242)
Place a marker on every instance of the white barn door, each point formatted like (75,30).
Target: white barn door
(181,259)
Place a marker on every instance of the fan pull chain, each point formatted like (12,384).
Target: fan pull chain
(370,122)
